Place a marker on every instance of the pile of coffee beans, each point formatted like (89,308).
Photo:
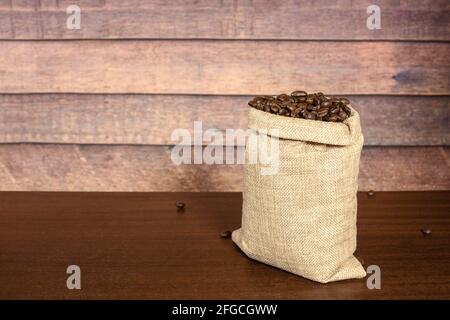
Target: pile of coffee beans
(300,104)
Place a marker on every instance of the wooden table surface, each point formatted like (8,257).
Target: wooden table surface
(136,245)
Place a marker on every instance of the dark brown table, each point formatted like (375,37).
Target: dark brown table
(137,246)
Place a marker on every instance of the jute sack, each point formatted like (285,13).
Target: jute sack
(303,218)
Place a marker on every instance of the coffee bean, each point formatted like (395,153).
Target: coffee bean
(426,232)
(334,110)
(180,205)
(333,118)
(344,100)
(296,112)
(299,94)
(347,110)
(300,104)
(225,234)
(283,97)
(322,112)
(325,104)
(342,115)
(310,116)
(275,108)
(312,107)
(334,100)
(292,107)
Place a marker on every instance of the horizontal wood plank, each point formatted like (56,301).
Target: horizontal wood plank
(224,67)
(137,246)
(137,119)
(29,167)
(217,19)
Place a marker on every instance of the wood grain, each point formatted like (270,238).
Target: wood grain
(144,249)
(136,119)
(224,67)
(28,167)
(215,19)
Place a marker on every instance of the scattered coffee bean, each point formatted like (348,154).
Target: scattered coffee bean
(225,234)
(180,205)
(300,104)
(426,232)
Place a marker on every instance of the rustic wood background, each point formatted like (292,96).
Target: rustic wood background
(93,109)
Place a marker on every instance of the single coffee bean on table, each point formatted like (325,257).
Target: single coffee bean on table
(300,104)
(180,205)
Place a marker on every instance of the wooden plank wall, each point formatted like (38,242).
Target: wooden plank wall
(93,109)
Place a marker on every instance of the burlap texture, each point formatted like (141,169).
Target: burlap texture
(303,219)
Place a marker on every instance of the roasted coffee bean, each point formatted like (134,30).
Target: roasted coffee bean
(334,110)
(252,104)
(275,108)
(291,107)
(334,100)
(333,118)
(342,115)
(300,104)
(325,104)
(309,100)
(180,205)
(299,94)
(344,100)
(322,112)
(426,232)
(283,97)
(347,110)
(296,112)
(225,234)
(312,107)
(310,116)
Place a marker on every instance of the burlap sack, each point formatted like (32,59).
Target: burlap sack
(303,219)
